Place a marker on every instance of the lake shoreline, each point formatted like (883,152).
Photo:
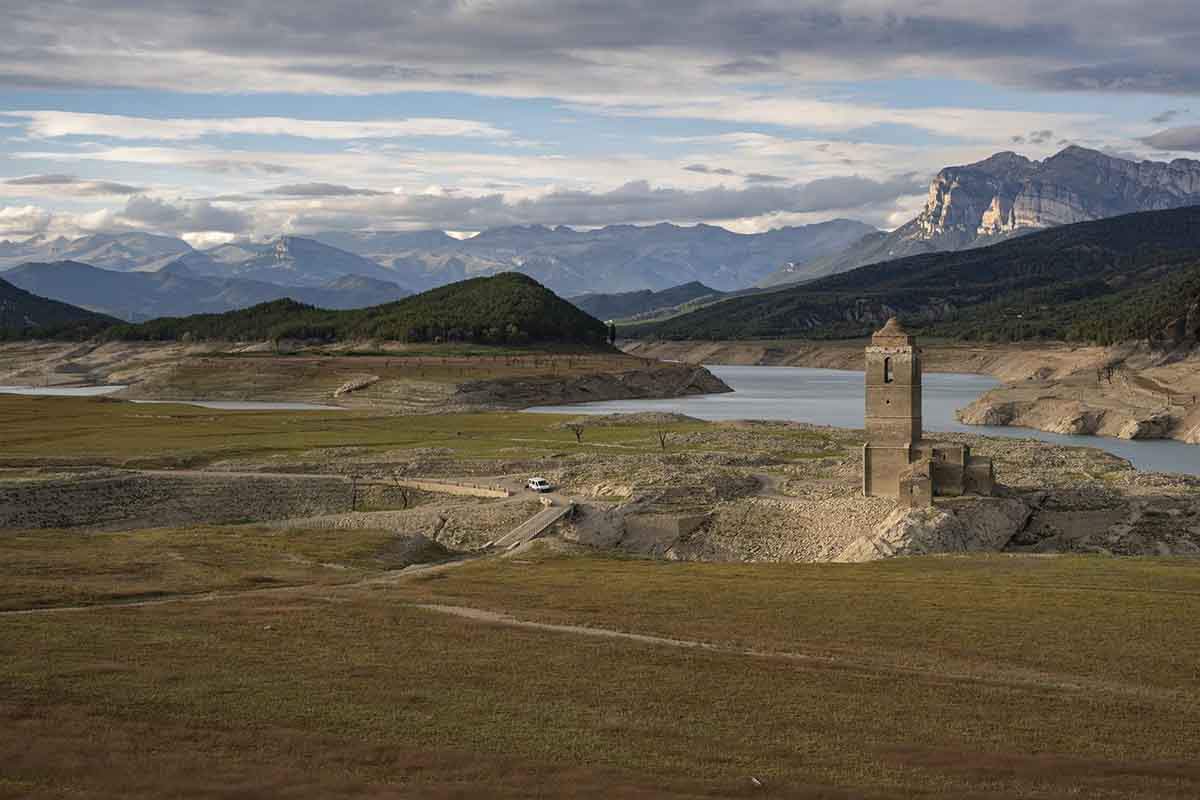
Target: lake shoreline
(1123,392)
(834,398)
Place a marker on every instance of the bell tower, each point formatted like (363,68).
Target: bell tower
(893,413)
(893,387)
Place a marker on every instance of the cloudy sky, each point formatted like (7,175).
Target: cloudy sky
(212,119)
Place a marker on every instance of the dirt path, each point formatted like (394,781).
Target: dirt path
(1012,676)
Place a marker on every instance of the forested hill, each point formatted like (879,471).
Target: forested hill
(508,308)
(627,304)
(1130,277)
(26,316)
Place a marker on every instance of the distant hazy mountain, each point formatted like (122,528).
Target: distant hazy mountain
(618,258)
(117,251)
(27,315)
(623,305)
(176,291)
(1008,195)
(286,261)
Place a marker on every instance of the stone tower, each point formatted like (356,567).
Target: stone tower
(893,420)
(893,387)
(897,461)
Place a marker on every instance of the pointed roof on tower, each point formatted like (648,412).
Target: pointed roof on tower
(893,334)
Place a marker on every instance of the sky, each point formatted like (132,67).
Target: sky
(218,119)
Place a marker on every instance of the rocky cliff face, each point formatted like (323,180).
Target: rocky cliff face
(1007,193)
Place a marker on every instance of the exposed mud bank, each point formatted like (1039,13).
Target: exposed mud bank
(1005,362)
(665,380)
(393,382)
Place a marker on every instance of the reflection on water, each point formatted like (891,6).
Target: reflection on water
(836,397)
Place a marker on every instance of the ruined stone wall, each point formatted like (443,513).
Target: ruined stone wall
(882,466)
(122,501)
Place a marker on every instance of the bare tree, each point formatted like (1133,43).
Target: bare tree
(661,433)
(577,429)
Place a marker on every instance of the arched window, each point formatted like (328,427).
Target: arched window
(888,377)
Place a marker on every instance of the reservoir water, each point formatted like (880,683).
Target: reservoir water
(836,397)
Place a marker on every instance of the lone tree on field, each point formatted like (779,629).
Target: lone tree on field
(403,490)
(661,433)
(577,429)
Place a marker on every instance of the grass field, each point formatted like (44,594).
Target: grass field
(988,677)
(44,429)
(241,661)
(47,568)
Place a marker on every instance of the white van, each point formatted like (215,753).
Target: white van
(538,485)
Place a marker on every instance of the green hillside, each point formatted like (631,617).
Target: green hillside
(509,308)
(1131,277)
(621,305)
(28,316)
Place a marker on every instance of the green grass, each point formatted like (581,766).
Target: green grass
(340,693)
(1103,619)
(54,568)
(56,430)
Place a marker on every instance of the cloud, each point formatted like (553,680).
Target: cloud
(704,169)
(633,202)
(53,124)
(322,190)
(744,67)
(762,177)
(1168,115)
(228,166)
(1186,138)
(1123,77)
(562,48)
(1033,137)
(70,184)
(184,216)
(24,221)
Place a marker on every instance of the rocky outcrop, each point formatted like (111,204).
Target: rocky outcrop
(1157,426)
(1004,194)
(977,525)
(1007,194)
(1072,417)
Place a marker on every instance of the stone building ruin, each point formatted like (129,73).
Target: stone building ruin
(897,461)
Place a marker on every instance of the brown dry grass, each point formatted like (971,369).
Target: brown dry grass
(938,686)
(58,568)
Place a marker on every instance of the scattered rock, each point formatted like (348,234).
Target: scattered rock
(963,526)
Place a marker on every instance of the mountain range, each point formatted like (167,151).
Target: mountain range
(617,258)
(1008,195)
(1135,276)
(968,206)
(25,315)
(613,259)
(174,290)
(125,252)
